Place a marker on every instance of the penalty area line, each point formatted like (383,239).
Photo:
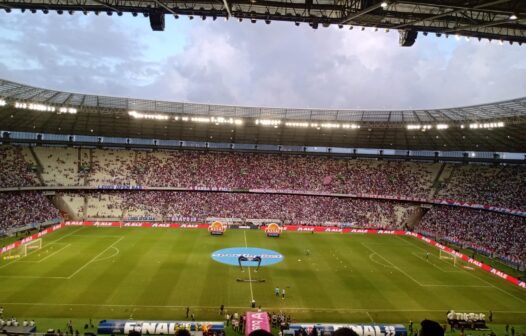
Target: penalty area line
(94,258)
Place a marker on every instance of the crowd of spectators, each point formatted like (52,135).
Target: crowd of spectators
(22,208)
(263,171)
(289,209)
(15,171)
(502,186)
(500,235)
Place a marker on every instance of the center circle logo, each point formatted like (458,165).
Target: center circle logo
(230,256)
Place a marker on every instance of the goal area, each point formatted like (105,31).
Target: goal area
(448,256)
(24,249)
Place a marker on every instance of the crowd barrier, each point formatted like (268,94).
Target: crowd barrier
(360,329)
(124,327)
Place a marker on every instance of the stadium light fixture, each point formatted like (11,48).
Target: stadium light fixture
(268,122)
(491,125)
(513,17)
(297,24)
(2,102)
(71,12)
(8,10)
(68,110)
(60,11)
(384,4)
(442,126)
(35,107)
(33,10)
(340,26)
(138,115)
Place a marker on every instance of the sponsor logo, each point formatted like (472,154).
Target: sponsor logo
(499,273)
(160,225)
(76,223)
(190,226)
(133,224)
(103,223)
(359,230)
(305,229)
(333,230)
(230,256)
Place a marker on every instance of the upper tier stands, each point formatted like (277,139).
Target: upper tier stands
(16,167)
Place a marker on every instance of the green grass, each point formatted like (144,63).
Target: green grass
(103,273)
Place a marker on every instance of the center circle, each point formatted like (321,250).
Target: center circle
(230,256)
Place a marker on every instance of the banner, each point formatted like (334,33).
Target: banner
(30,238)
(124,327)
(256,321)
(360,329)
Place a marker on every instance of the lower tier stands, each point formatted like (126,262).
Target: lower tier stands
(491,233)
(23,208)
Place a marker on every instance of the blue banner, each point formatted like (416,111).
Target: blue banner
(124,327)
(360,329)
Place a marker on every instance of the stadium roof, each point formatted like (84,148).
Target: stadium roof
(503,20)
(488,127)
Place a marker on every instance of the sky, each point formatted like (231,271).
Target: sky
(240,63)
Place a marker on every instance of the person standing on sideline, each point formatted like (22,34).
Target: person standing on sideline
(512,331)
(277,291)
(221,309)
(187,311)
(283,294)
(490,316)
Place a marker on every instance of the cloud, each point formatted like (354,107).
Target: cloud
(256,64)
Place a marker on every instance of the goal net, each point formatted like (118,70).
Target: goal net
(24,249)
(444,255)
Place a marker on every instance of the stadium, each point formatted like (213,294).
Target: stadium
(131,216)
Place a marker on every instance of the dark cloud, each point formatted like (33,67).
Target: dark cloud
(263,65)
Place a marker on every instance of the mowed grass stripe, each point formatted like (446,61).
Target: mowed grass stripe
(158,272)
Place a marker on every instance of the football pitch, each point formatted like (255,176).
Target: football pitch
(155,273)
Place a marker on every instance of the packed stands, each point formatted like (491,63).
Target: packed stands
(502,186)
(16,169)
(492,233)
(22,208)
(293,209)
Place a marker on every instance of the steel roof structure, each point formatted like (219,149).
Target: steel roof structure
(503,20)
(435,129)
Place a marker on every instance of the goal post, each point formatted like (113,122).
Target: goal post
(23,249)
(33,245)
(444,255)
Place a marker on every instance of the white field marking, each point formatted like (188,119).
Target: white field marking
(370,317)
(46,257)
(249,275)
(67,235)
(96,236)
(94,258)
(394,266)
(481,279)
(377,262)
(117,251)
(411,243)
(419,283)
(375,310)
(30,277)
(432,264)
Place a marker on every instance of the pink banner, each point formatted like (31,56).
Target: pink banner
(256,321)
